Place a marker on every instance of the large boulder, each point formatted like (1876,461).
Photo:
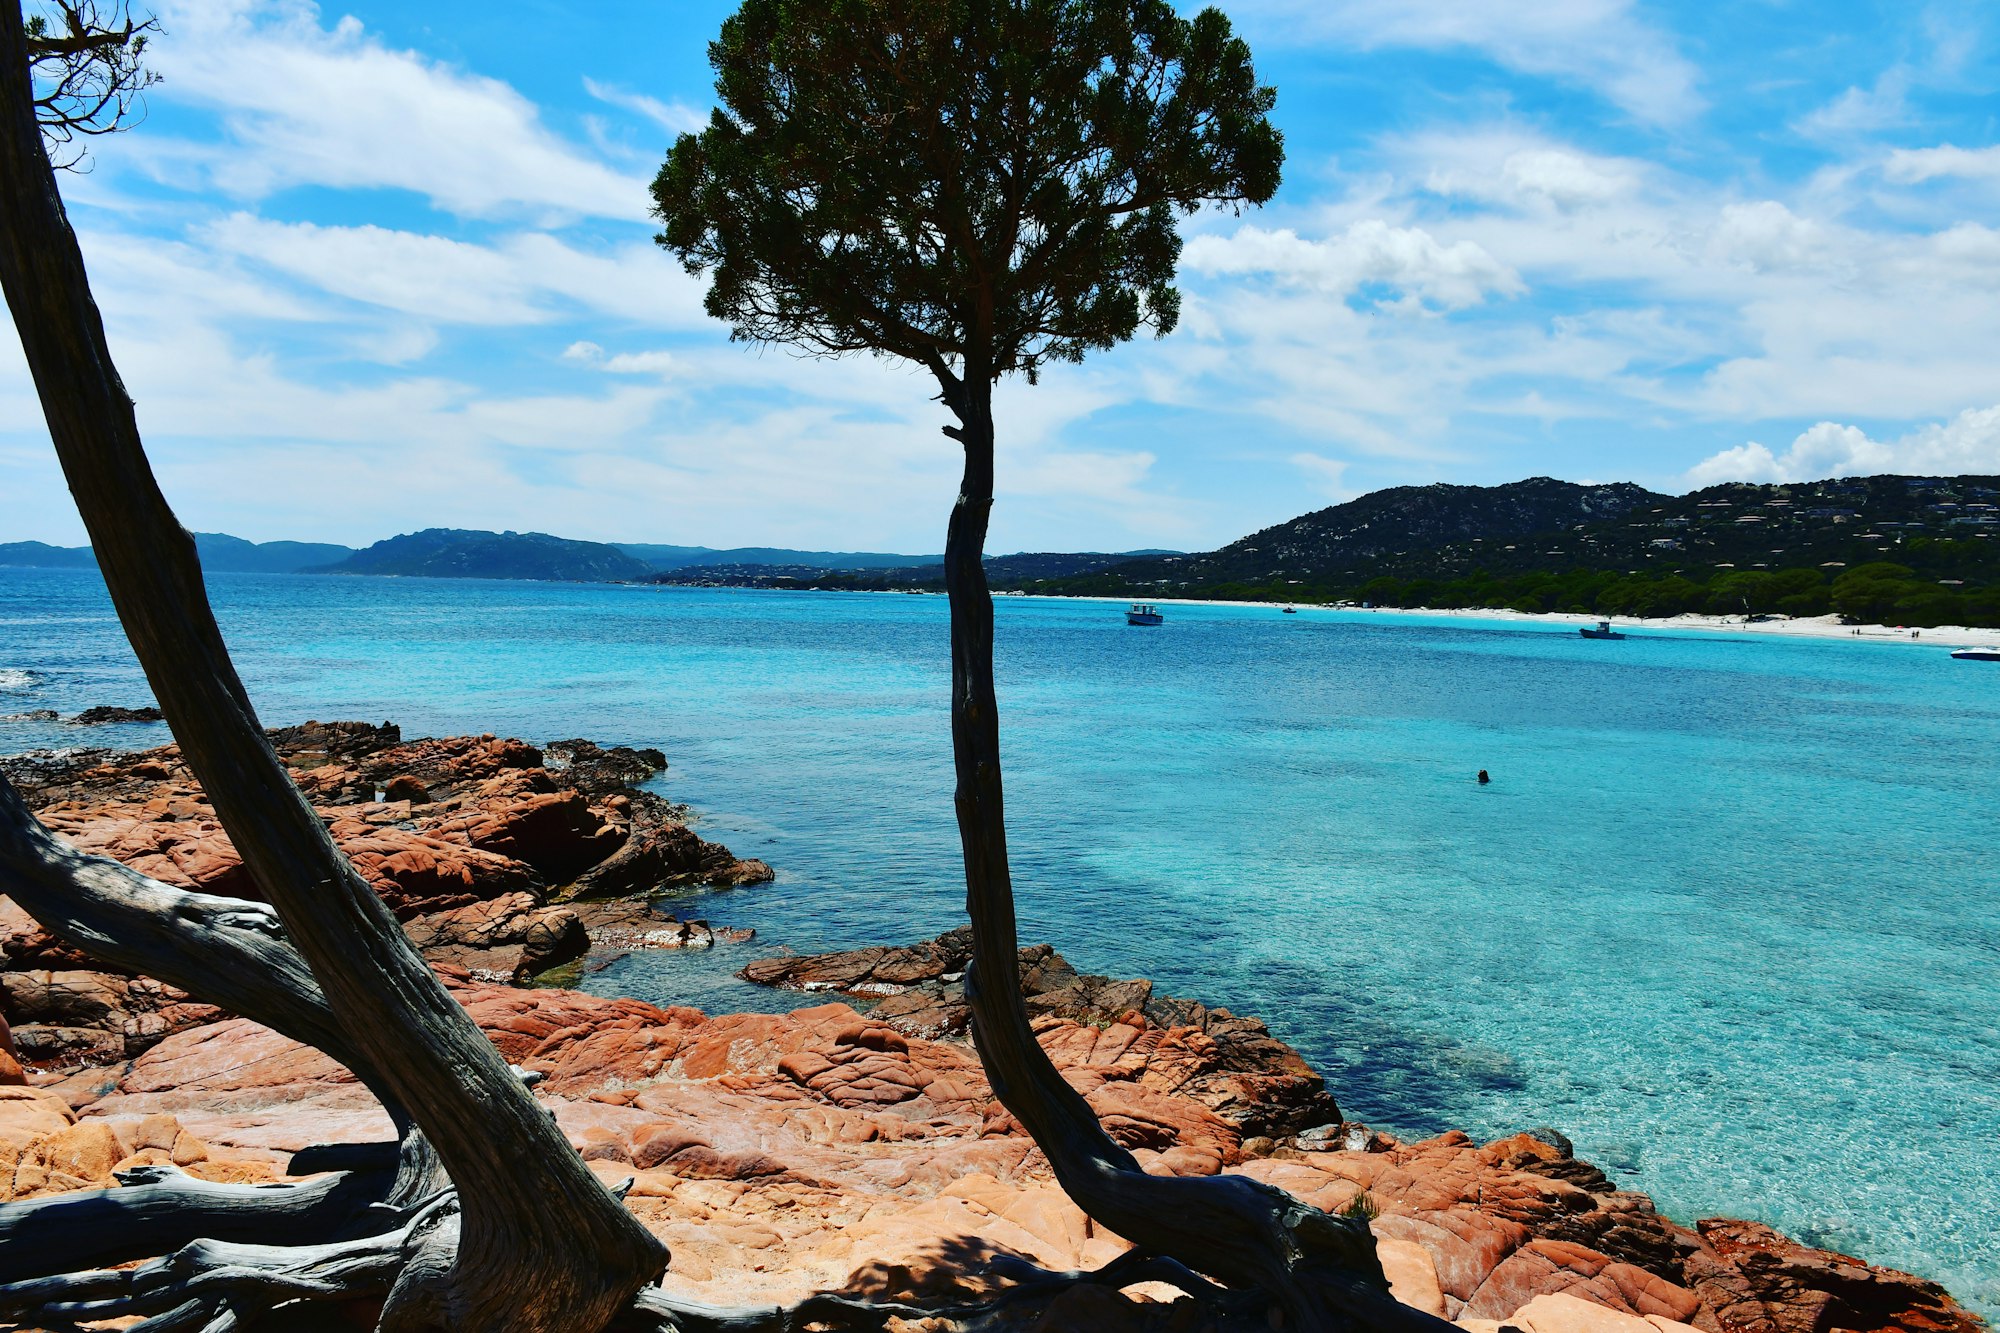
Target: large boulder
(77,1016)
(11,1073)
(502,939)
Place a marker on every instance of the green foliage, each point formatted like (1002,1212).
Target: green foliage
(979,186)
(1757,592)
(1871,593)
(1362,1205)
(1879,593)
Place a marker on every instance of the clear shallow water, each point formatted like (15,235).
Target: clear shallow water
(1727,914)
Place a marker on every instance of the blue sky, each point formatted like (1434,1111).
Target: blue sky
(375,267)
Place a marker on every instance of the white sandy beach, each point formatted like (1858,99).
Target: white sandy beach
(1807,627)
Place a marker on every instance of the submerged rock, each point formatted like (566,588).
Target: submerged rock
(104,713)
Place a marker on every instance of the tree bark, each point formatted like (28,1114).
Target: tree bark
(1320,1271)
(543,1247)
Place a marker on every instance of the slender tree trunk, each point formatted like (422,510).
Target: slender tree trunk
(542,1245)
(1320,1271)
(1023,1076)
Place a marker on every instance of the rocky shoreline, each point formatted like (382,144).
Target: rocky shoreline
(498,857)
(851,1145)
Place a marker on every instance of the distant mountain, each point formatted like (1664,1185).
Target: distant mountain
(420,552)
(220,553)
(1539,545)
(1356,539)
(43,556)
(458,553)
(691,557)
(1002,571)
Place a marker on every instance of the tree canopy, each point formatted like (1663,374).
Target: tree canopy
(979,187)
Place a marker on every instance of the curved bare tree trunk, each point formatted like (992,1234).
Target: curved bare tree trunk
(1321,1271)
(541,1244)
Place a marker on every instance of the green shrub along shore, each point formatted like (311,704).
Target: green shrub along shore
(1880,593)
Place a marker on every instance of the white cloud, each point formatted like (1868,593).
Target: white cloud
(1651,300)
(674,117)
(1568,180)
(1328,474)
(1862,111)
(1916,165)
(1370,252)
(304,104)
(1506,167)
(430,276)
(1603,45)
(643,363)
(1969,442)
(1767,236)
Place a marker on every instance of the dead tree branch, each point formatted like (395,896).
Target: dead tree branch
(87,64)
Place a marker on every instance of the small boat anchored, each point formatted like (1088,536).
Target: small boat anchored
(1291,610)
(1976,654)
(1601,630)
(1142,613)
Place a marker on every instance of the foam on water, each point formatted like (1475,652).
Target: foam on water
(17,680)
(1726,915)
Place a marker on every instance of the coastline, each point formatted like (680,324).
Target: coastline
(1809,627)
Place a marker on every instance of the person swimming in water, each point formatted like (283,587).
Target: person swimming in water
(1483,779)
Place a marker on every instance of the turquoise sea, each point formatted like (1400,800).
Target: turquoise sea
(1729,913)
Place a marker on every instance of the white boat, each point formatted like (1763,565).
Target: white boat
(1142,613)
(1976,654)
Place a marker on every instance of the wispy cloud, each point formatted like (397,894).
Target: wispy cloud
(523,278)
(1328,475)
(1862,111)
(1917,165)
(1603,45)
(674,117)
(1407,262)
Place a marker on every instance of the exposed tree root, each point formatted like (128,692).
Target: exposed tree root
(214,1285)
